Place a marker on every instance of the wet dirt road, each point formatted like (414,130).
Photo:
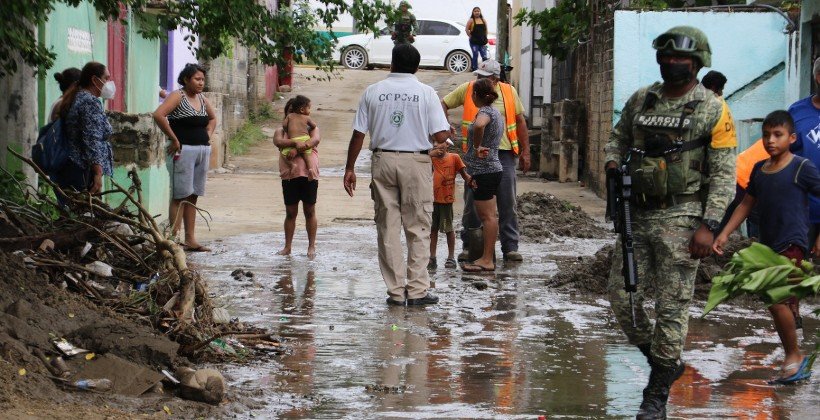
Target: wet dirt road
(498,346)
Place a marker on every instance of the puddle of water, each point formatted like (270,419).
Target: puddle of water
(513,350)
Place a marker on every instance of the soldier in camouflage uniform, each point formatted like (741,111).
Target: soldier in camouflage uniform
(677,139)
(405,27)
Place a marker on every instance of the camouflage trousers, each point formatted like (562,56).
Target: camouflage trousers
(662,255)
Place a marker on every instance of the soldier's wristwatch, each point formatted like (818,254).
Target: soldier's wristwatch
(712,225)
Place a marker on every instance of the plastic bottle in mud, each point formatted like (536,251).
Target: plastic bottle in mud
(95,384)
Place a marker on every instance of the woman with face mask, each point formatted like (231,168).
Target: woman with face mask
(87,130)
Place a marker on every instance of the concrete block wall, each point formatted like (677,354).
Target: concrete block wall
(236,87)
(592,84)
(139,144)
(228,75)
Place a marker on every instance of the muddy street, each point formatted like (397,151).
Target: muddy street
(500,346)
(497,346)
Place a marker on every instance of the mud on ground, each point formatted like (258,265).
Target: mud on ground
(543,216)
(33,312)
(590,274)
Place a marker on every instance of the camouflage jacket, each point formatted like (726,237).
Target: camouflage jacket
(712,118)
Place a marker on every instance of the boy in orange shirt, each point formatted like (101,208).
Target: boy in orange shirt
(445,167)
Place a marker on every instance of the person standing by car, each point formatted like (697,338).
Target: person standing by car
(401,114)
(87,130)
(515,146)
(477,31)
(405,27)
(188,120)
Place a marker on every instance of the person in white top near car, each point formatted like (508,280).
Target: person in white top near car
(401,114)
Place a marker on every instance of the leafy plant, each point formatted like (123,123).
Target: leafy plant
(561,27)
(758,270)
(247,136)
(216,22)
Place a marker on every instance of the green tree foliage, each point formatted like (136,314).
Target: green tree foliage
(217,22)
(561,27)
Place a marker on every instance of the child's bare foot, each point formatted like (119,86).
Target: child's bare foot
(284,251)
(311,253)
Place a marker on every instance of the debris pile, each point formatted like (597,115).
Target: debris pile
(88,284)
(542,216)
(591,274)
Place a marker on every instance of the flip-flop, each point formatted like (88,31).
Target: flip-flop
(803,372)
(475,268)
(201,248)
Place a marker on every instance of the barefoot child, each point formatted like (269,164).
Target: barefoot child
(779,189)
(298,125)
(445,167)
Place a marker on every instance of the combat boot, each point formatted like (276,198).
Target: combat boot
(656,393)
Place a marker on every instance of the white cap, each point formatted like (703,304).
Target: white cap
(488,68)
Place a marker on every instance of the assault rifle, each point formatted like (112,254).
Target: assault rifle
(619,210)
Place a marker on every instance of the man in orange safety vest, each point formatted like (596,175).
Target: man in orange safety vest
(515,146)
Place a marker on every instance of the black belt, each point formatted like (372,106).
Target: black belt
(422,152)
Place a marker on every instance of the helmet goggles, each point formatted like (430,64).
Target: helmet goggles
(675,42)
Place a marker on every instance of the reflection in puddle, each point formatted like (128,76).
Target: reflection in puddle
(514,349)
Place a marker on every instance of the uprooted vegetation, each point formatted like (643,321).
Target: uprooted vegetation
(111,283)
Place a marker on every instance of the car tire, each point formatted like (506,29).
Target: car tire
(354,57)
(457,62)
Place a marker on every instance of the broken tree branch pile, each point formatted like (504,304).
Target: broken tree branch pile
(118,257)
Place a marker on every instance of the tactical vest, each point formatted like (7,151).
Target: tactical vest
(668,158)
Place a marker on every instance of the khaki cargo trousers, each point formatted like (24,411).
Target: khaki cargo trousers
(402,192)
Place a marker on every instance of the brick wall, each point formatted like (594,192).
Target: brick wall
(239,82)
(586,76)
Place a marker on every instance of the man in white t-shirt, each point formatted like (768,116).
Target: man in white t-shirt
(401,114)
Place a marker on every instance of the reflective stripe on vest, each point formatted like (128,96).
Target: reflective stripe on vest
(470,112)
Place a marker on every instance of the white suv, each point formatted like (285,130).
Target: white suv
(441,43)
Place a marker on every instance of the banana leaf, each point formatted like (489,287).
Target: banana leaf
(758,270)
(767,278)
(809,286)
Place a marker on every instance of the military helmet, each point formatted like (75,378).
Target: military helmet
(685,40)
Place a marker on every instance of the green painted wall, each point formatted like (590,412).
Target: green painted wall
(63,35)
(156,189)
(142,71)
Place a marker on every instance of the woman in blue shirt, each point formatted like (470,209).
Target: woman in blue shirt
(87,130)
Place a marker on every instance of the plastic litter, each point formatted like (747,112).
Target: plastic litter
(100,268)
(86,248)
(93,384)
(170,376)
(67,348)
(221,316)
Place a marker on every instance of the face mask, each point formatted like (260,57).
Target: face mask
(108,90)
(676,74)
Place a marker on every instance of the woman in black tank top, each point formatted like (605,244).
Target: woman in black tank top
(477,30)
(189,120)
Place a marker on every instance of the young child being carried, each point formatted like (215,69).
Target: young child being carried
(779,189)
(298,125)
(445,167)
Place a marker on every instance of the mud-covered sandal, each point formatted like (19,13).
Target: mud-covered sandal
(475,268)
(450,263)
(802,373)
